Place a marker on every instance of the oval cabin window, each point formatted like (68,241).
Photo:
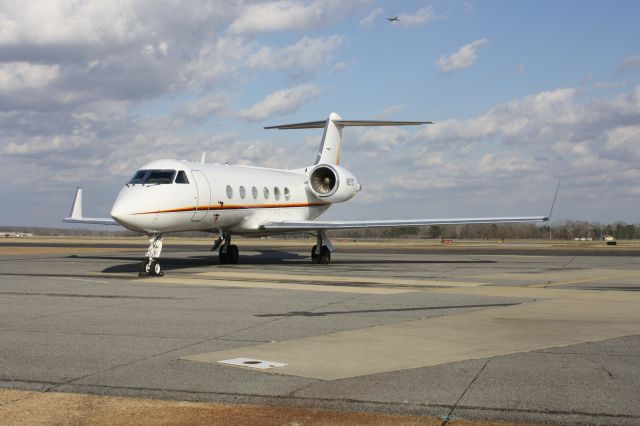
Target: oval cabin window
(229,191)
(243,192)
(287,194)
(266,193)
(276,193)
(254,192)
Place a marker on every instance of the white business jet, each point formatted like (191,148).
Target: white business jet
(169,196)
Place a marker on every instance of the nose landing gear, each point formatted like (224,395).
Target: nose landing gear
(151,266)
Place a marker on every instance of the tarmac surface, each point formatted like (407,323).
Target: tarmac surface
(393,332)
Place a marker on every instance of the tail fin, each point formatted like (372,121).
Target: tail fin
(329,152)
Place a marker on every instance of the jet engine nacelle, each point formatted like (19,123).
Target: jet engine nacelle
(332,183)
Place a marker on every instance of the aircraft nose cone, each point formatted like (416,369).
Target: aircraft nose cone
(118,213)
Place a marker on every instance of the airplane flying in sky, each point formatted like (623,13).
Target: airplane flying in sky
(169,196)
(393,18)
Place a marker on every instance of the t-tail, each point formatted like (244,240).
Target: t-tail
(329,151)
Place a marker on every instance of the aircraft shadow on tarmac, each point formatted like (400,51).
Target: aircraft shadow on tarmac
(266,257)
(368,311)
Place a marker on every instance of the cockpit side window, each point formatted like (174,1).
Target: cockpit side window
(154,177)
(182,177)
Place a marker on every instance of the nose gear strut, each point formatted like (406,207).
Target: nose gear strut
(151,266)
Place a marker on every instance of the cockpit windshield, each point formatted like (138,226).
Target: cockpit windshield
(148,177)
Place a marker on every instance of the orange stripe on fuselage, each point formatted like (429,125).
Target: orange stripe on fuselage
(234,207)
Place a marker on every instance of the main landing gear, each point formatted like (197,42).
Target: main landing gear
(228,253)
(321,252)
(151,266)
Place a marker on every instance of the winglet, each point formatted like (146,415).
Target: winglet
(75,215)
(76,208)
(555,196)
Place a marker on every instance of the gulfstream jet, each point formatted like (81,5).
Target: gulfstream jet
(169,196)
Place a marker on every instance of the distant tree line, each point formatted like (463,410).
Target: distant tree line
(567,230)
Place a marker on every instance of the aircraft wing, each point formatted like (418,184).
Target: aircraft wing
(319,225)
(75,216)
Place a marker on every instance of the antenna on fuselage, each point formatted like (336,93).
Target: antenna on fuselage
(204,156)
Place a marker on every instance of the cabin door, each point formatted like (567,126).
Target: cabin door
(203,196)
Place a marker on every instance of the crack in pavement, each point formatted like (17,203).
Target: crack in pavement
(448,417)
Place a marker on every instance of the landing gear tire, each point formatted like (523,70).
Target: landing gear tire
(224,255)
(156,269)
(233,254)
(143,268)
(229,254)
(325,255)
(150,268)
(315,258)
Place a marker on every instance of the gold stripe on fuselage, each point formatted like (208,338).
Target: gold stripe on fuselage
(233,207)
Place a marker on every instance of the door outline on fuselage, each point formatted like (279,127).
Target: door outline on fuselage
(203,196)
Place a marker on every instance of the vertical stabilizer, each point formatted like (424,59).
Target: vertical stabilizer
(329,152)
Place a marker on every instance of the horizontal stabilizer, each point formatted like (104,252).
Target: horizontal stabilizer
(346,123)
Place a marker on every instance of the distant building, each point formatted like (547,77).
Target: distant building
(16,234)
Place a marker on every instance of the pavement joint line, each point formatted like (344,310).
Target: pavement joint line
(82,333)
(91,296)
(585,280)
(278,319)
(586,354)
(455,404)
(125,364)
(82,310)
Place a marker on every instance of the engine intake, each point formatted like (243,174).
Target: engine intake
(332,183)
(324,181)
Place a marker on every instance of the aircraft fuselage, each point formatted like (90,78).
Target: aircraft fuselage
(213,196)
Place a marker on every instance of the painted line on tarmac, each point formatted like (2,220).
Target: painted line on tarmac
(346,279)
(277,286)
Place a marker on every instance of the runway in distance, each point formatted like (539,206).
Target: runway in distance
(166,196)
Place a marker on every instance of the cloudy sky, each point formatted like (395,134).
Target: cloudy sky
(523,94)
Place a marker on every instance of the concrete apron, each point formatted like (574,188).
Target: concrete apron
(562,317)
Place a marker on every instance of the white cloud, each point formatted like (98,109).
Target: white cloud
(368,20)
(281,102)
(23,75)
(42,144)
(290,15)
(342,66)
(590,145)
(213,62)
(630,62)
(202,108)
(306,56)
(420,17)
(60,21)
(463,58)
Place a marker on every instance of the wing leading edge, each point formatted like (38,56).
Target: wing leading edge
(313,225)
